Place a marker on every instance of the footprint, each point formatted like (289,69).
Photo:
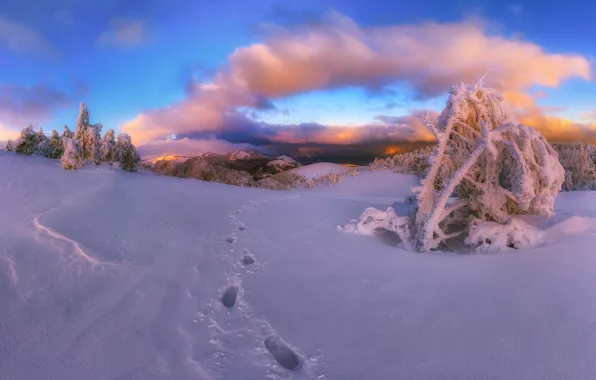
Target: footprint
(231,239)
(241,226)
(282,353)
(247,257)
(228,299)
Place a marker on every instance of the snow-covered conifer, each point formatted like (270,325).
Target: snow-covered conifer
(67,132)
(82,134)
(93,139)
(27,142)
(71,159)
(107,145)
(125,153)
(9,147)
(43,146)
(56,148)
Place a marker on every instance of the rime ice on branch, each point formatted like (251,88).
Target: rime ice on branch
(495,169)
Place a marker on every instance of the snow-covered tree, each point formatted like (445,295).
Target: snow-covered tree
(27,142)
(71,159)
(43,146)
(67,132)
(56,148)
(9,147)
(125,153)
(578,160)
(83,136)
(107,145)
(93,139)
(494,167)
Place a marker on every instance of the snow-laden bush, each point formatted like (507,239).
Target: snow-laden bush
(578,160)
(497,169)
(125,153)
(415,162)
(71,159)
(330,179)
(9,146)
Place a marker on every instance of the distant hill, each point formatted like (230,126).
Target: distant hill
(241,167)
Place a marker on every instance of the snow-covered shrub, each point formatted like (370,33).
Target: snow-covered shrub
(271,184)
(496,168)
(330,178)
(578,160)
(9,146)
(55,146)
(125,153)
(71,159)
(415,162)
(289,179)
(107,145)
(27,142)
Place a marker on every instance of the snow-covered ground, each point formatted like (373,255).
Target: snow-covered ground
(320,169)
(111,275)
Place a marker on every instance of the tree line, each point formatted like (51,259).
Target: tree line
(82,147)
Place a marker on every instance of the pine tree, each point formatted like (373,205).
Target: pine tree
(93,139)
(56,148)
(43,147)
(71,159)
(27,142)
(125,153)
(107,145)
(9,147)
(82,135)
(67,132)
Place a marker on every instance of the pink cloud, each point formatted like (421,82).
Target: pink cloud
(429,57)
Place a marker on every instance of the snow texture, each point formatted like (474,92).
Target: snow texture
(320,169)
(113,275)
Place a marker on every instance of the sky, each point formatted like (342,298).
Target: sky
(188,76)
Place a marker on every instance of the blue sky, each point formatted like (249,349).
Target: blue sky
(129,58)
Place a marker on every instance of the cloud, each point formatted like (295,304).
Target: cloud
(336,53)
(23,105)
(556,128)
(7,133)
(22,39)
(122,32)
(188,147)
